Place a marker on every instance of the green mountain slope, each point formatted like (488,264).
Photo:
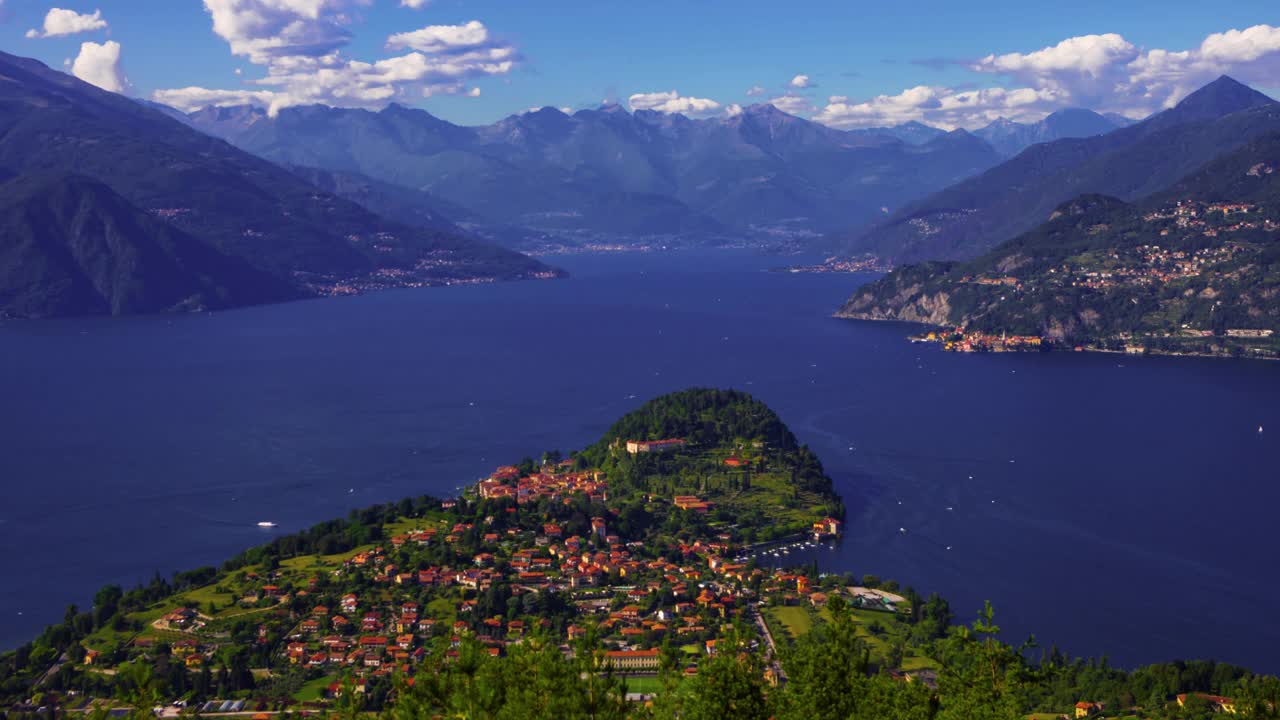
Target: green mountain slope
(1193,269)
(240,204)
(72,246)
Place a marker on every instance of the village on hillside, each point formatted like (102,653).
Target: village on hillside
(1192,243)
(653,562)
(515,556)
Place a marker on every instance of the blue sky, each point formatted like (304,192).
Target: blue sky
(474,61)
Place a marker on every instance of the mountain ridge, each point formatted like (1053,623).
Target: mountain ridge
(760,173)
(236,203)
(1010,138)
(978,213)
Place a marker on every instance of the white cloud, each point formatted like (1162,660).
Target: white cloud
(59,22)
(673,102)
(793,104)
(733,110)
(100,65)
(1108,73)
(755,91)
(300,42)
(262,30)
(415,4)
(801,82)
(442,38)
(193,98)
(1091,55)
(939,106)
(1251,55)
(1105,73)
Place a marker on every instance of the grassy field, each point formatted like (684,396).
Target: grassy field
(443,609)
(793,620)
(308,564)
(314,689)
(404,525)
(643,685)
(104,639)
(202,596)
(775,491)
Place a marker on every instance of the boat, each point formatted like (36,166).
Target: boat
(265,524)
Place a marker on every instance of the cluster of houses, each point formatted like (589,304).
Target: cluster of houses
(376,641)
(631,599)
(689,602)
(1151,265)
(508,482)
(385,609)
(973,341)
(1190,215)
(866,263)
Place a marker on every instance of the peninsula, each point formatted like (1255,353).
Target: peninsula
(623,580)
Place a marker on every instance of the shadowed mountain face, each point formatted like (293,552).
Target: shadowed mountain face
(206,192)
(70,245)
(979,213)
(610,172)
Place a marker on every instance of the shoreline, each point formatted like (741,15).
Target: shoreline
(1047,348)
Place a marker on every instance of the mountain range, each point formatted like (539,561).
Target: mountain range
(119,206)
(977,214)
(609,172)
(113,207)
(606,172)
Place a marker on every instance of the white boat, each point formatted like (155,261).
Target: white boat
(265,524)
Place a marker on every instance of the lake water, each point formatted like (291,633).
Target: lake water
(1111,505)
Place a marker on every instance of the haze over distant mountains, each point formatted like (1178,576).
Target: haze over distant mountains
(113,207)
(609,172)
(987,209)
(1010,138)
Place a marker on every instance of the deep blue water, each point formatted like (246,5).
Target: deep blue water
(1110,505)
